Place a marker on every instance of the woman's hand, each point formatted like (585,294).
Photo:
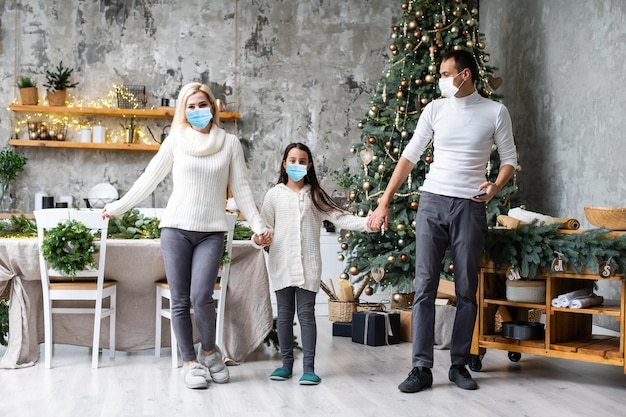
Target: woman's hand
(378,219)
(264,239)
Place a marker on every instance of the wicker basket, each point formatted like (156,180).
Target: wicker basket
(370,307)
(341,311)
(607,217)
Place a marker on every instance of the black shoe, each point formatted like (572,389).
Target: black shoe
(418,379)
(461,377)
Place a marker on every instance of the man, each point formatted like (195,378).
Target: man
(451,211)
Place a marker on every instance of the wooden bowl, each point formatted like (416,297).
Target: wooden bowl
(607,217)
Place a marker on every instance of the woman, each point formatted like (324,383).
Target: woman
(203,160)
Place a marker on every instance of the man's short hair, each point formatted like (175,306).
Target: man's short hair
(463,59)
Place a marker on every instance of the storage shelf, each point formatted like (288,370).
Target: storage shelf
(81,145)
(161,112)
(502,302)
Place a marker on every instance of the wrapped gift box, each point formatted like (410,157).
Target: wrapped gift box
(406,324)
(342,329)
(375,328)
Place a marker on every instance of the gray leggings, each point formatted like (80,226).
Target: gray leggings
(286,300)
(192,261)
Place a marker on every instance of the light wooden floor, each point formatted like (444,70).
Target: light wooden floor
(357,381)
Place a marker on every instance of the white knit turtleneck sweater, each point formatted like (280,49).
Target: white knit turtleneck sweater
(202,166)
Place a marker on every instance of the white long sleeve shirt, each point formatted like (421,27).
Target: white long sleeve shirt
(202,166)
(463,131)
(294,257)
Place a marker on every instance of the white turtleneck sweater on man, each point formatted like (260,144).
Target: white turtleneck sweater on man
(463,131)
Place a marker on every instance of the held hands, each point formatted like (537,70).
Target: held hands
(264,239)
(377,221)
(106,215)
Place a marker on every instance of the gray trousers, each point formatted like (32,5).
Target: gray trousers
(286,301)
(192,261)
(441,222)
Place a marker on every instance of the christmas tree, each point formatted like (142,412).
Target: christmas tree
(426,30)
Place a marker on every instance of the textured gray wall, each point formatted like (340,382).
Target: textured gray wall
(295,70)
(563,64)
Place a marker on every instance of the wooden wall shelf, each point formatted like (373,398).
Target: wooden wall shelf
(81,145)
(161,112)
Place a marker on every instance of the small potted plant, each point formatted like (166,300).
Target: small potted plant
(57,83)
(29,96)
(11,164)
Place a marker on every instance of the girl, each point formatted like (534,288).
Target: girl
(294,210)
(203,159)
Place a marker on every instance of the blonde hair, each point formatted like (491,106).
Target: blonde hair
(180,116)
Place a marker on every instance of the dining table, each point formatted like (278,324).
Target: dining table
(135,264)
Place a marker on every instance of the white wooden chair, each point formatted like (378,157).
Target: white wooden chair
(89,284)
(163,292)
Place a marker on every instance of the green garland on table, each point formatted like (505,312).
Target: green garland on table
(69,247)
(531,247)
(134,225)
(18,226)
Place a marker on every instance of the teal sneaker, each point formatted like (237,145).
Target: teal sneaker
(309,378)
(280,374)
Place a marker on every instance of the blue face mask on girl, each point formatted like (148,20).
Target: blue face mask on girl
(199,118)
(296,171)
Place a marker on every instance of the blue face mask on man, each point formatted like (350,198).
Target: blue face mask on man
(199,118)
(296,171)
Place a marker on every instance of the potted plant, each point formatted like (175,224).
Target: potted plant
(11,164)
(29,96)
(57,83)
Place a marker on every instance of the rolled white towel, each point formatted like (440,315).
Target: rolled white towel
(588,301)
(555,302)
(528,216)
(564,299)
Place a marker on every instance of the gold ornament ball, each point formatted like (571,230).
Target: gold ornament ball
(425,38)
(340,258)
(404,134)
(404,83)
(344,246)
(414,205)
(469,44)
(391,259)
(348,235)
(451,267)
(419,82)
(395,28)
(361,213)
(432,68)
(404,257)
(428,159)
(456,12)
(343,275)
(474,11)
(405,6)
(481,45)
(381,168)
(402,109)
(419,14)
(352,195)
(371,140)
(374,109)
(457,47)
(417,34)
(394,53)
(413,224)
(393,47)
(401,243)
(424,101)
(360,125)
(486,58)
(399,94)
(396,151)
(397,297)
(412,24)
(429,78)
(408,46)
(369,291)
(471,22)
(400,227)
(354,270)
(394,36)
(388,144)
(352,150)
(367,185)
(438,25)
(454,29)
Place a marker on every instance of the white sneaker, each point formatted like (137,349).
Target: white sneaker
(215,364)
(195,375)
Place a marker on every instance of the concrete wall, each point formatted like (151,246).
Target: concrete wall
(296,71)
(563,65)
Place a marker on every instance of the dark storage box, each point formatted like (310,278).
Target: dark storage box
(379,330)
(523,330)
(342,329)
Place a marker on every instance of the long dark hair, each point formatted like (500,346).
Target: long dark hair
(320,198)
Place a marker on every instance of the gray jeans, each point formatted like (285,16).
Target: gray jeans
(286,300)
(192,261)
(441,222)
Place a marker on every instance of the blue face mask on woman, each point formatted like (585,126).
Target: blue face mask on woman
(199,118)
(296,171)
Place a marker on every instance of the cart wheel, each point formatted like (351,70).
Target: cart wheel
(514,356)
(476,362)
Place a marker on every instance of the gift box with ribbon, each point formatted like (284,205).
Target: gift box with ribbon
(375,328)
(342,329)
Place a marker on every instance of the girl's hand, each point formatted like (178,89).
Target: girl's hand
(263,239)
(106,215)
